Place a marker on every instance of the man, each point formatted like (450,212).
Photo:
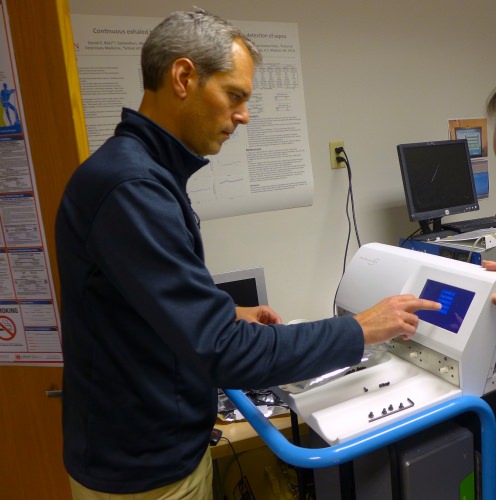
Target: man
(491,111)
(147,337)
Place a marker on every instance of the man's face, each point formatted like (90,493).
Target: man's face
(218,105)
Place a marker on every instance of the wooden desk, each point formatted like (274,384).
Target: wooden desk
(253,455)
(243,437)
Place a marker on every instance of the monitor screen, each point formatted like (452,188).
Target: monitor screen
(455,303)
(246,286)
(437,178)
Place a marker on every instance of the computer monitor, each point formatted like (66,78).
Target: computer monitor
(438,181)
(246,286)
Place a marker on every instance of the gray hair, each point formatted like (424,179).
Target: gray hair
(203,38)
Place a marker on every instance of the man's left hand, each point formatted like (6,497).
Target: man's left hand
(263,315)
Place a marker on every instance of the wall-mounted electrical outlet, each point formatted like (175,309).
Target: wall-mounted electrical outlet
(334,157)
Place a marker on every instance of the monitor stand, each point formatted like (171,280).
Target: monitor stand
(432,234)
(436,226)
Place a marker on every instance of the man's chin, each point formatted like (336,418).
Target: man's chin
(214,149)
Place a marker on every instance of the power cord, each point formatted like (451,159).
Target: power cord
(342,157)
(409,237)
(475,243)
(242,489)
(235,455)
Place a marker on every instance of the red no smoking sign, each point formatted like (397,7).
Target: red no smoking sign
(7,328)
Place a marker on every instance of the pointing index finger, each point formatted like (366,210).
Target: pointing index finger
(426,305)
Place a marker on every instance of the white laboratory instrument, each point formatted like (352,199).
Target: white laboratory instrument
(452,353)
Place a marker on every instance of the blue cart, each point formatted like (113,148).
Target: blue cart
(345,452)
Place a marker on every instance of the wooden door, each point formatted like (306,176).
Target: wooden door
(30,423)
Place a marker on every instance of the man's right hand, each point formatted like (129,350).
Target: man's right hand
(392,317)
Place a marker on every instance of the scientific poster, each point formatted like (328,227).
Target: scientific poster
(474,130)
(265,165)
(29,322)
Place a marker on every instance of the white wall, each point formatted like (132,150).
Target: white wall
(376,73)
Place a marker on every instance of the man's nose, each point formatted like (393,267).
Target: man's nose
(242,116)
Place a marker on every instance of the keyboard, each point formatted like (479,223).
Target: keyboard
(465,226)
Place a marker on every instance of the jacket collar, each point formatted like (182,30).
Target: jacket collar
(162,146)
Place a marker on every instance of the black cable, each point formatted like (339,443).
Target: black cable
(409,237)
(334,301)
(350,195)
(235,455)
(349,202)
(348,236)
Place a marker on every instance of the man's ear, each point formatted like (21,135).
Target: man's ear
(184,75)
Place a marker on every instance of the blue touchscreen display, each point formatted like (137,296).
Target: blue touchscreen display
(455,301)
